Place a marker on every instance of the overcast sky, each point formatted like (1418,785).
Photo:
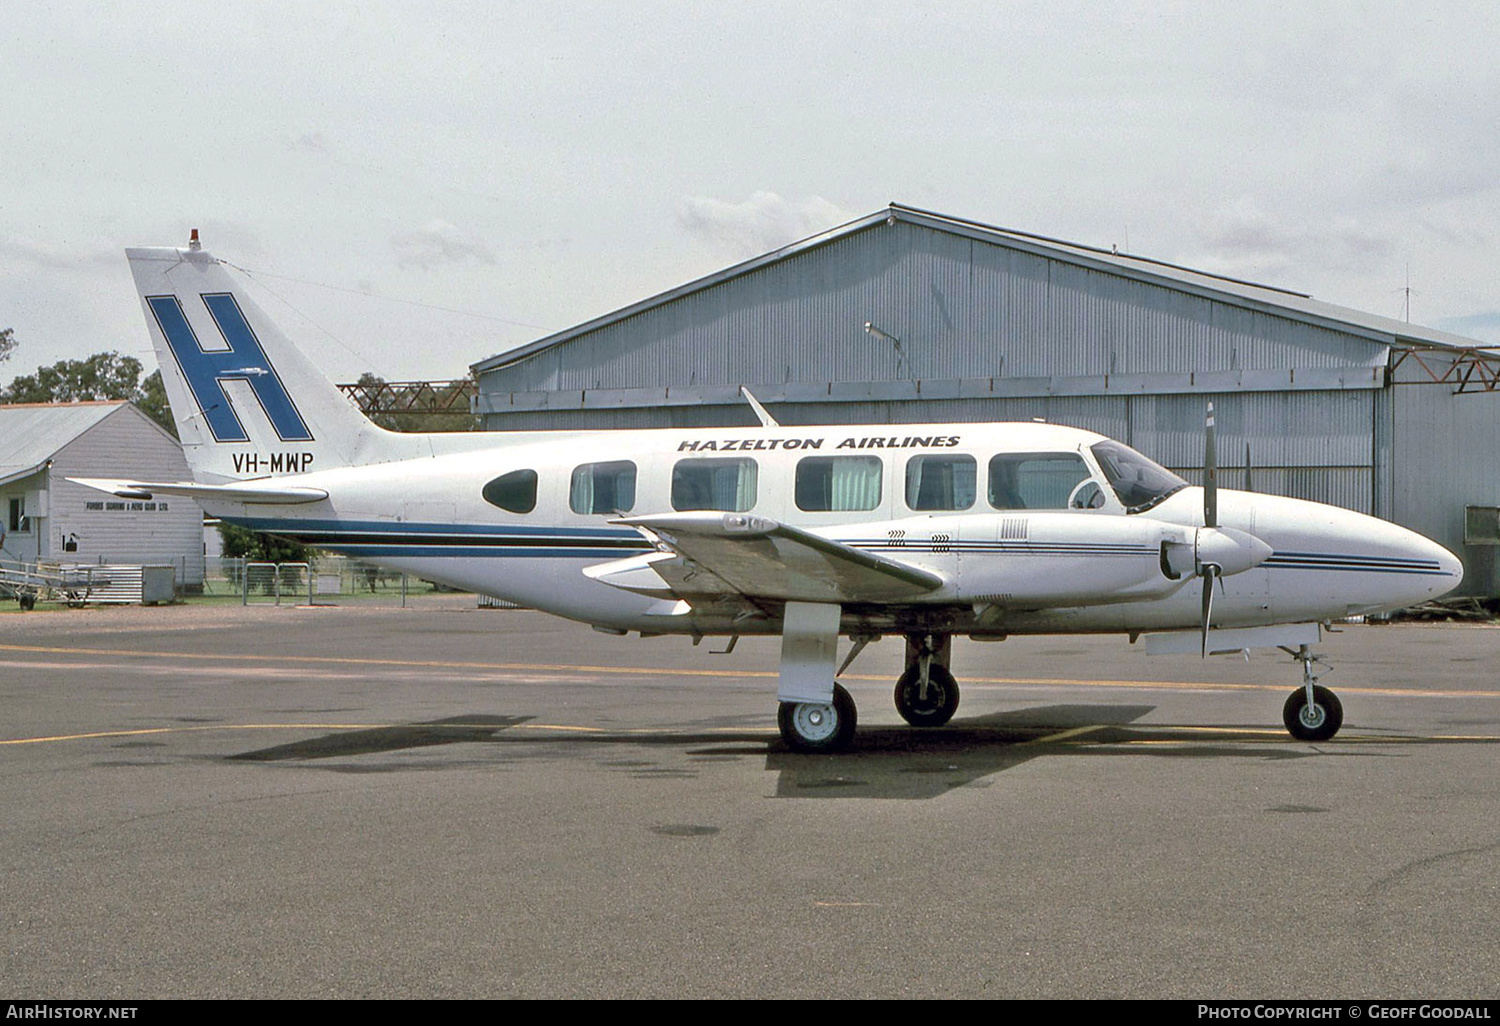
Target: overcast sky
(416,186)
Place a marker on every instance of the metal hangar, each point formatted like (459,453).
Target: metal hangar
(912,316)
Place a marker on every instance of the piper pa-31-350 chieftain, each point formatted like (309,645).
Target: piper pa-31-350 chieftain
(813,533)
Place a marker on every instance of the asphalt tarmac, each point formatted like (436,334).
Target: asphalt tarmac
(454,802)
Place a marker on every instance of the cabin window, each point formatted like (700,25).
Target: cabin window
(829,484)
(515,491)
(1039,480)
(941,482)
(727,484)
(603,487)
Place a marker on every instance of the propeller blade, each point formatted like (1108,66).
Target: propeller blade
(1210,473)
(1247,468)
(1208,573)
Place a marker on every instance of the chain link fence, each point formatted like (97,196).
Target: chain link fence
(323,580)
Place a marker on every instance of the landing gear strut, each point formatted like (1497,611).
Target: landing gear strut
(927,694)
(1312,712)
(816,714)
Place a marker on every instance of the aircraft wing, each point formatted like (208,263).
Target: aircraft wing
(727,553)
(238,491)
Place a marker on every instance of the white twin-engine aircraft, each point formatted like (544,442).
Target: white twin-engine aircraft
(923,531)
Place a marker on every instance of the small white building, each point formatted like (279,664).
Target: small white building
(45,517)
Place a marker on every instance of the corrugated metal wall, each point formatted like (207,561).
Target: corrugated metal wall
(962,308)
(1445,458)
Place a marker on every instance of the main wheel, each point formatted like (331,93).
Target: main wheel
(1316,722)
(818,726)
(941,701)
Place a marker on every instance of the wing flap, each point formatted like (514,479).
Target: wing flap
(726,553)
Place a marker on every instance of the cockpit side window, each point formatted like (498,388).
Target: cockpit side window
(1139,482)
(515,492)
(725,484)
(1040,480)
(603,487)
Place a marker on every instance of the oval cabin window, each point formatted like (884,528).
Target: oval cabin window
(515,491)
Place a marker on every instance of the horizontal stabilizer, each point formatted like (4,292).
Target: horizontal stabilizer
(724,553)
(240,491)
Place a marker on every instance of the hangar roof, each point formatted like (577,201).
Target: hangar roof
(1380,330)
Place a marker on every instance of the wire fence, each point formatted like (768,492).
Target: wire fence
(323,580)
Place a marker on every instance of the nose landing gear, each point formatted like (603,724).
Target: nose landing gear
(1312,712)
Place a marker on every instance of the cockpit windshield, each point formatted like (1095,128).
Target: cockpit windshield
(1140,483)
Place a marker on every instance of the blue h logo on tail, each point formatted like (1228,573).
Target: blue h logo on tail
(244,360)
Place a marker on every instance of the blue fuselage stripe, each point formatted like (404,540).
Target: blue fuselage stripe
(469,541)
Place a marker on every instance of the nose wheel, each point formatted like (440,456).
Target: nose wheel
(1315,720)
(818,727)
(1312,712)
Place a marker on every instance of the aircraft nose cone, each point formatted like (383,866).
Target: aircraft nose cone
(1448,563)
(1443,571)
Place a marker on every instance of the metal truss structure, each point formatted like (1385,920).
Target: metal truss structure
(422,397)
(1475,369)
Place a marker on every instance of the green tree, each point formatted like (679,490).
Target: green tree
(153,402)
(243,543)
(101,376)
(7,343)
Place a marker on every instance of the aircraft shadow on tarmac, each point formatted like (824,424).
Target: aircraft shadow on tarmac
(885,761)
(912,763)
(452,730)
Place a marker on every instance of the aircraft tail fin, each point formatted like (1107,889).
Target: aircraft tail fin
(247,403)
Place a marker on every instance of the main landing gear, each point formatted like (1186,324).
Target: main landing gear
(926,694)
(1312,712)
(817,727)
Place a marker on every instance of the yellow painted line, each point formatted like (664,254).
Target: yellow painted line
(657,671)
(1063,735)
(201,728)
(415,663)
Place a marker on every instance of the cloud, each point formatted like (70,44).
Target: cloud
(757,225)
(53,256)
(309,142)
(1240,238)
(438,242)
(1484,327)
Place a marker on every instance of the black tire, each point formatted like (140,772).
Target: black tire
(1318,724)
(816,727)
(27,601)
(942,696)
